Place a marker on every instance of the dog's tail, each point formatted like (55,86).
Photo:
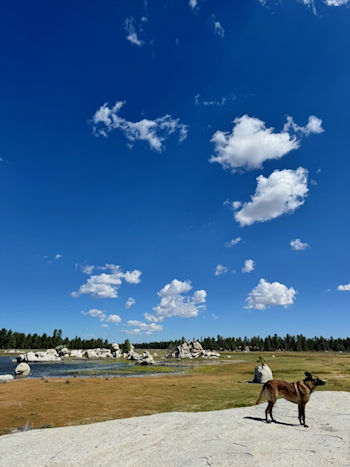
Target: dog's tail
(262,396)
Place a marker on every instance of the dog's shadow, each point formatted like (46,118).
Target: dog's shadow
(258,419)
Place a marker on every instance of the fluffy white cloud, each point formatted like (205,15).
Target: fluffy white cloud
(314,125)
(193,3)
(131,32)
(336,2)
(251,143)
(139,327)
(220,269)
(249,265)
(155,132)
(297,244)
(173,302)
(130,302)
(267,294)
(58,256)
(106,285)
(344,288)
(102,316)
(282,192)
(232,242)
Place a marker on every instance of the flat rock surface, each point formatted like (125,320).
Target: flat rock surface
(234,437)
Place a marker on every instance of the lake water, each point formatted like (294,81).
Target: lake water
(73,368)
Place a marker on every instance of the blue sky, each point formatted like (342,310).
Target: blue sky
(138,139)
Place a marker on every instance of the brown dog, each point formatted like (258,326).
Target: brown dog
(298,393)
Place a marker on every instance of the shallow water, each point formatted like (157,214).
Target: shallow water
(73,368)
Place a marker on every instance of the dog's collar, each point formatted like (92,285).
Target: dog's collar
(307,386)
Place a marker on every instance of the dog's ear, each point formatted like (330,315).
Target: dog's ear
(307,374)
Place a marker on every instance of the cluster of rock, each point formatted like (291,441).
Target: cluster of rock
(144,359)
(21,371)
(56,355)
(191,349)
(262,374)
(50,355)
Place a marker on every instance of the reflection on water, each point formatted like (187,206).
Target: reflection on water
(71,368)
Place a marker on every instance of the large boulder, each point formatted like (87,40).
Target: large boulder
(76,353)
(22,370)
(115,347)
(192,349)
(6,378)
(115,350)
(132,355)
(91,353)
(262,373)
(64,352)
(146,358)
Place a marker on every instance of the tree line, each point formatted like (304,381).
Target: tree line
(270,343)
(19,340)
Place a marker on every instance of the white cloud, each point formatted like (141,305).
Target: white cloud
(113,319)
(297,244)
(236,204)
(218,29)
(173,302)
(106,285)
(232,242)
(282,192)
(214,316)
(131,32)
(314,125)
(155,132)
(104,325)
(220,269)
(94,313)
(336,2)
(58,256)
(343,288)
(139,327)
(267,294)
(249,265)
(193,4)
(130,302)
(102,316)
(251,143)
(88,269)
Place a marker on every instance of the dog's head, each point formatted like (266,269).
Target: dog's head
(314,380)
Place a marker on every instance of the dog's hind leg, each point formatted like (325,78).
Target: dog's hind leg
(269,411)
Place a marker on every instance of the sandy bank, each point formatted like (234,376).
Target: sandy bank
(220,438)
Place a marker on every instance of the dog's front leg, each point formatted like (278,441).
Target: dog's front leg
(299,414)
(303,415)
